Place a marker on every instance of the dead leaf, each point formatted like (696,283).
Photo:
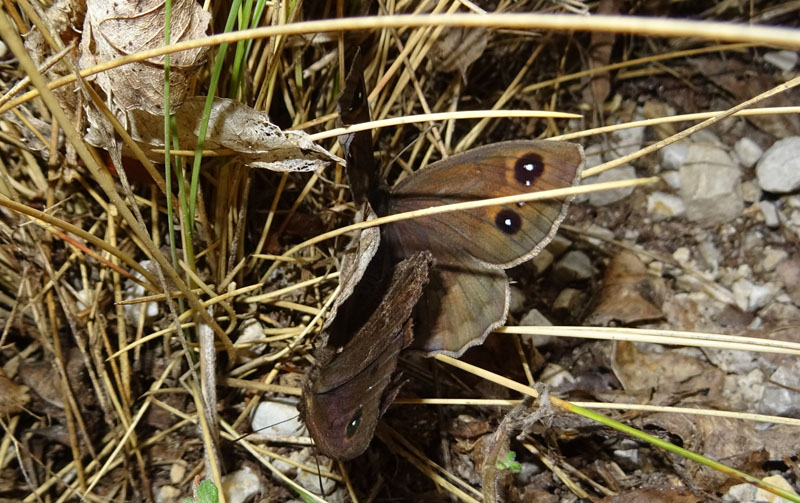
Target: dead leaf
(656,109)
(465,426)
(629,293)
(457,48)
(255,141)
(600,55)
(657,494)
(13,397)
(355,304)
(671,372)
(44,380)
(118,28)
(739,444)
(742,83)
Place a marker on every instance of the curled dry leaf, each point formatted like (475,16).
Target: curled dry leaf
(458,48)
(629,293)
(600,55)
(119,28)
(254,140)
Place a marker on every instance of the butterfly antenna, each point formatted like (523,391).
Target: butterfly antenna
(319,474)
(411,144)
(267,426)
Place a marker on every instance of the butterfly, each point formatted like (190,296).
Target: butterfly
(466,291)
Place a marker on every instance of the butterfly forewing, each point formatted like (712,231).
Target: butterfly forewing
(501,236)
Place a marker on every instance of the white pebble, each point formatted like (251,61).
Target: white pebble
(779,168)
(748,152)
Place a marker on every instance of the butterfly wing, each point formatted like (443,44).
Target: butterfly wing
(459,308)
(346,393)
(468,294)
(501,236)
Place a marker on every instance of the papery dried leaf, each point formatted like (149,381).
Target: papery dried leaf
(629,293)
(233,125)
(458,48)
(119,28)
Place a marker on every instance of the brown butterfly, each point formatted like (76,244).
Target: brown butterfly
(467,294)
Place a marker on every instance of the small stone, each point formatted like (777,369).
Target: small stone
(784,60)
(772,257)
(534,318)
(662,205)
(594,155)
(167,493)
(710,254)
(574,266)
(770,213)
(568,302)
(788,272)
(656,268)
(779,168)
(779,401)
(710,186)
(240,485)
(742,391)
(751,192)
(277,418)
(631,235)
(682,255)
(752,494)
(134,291)
(527,472)
(250,330)
(733,362)
(672,178)
(628,455)
(517,299)
(605,197)
(177,471)
(672,156)
(787,375)
(750,296)
(599,231)
(748,152)
(308,480)
(542,261)
(625,141)
(559,245)
(556,376)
